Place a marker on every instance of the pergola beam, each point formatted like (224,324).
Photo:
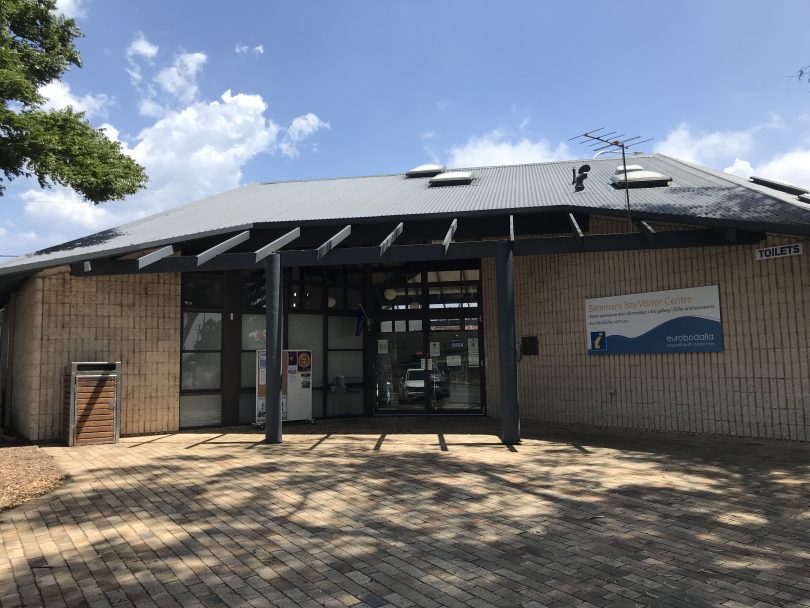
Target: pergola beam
(647,230)
(151,258)
(575,226)
(391,238)
(433,252)
(333,242)
(448,238)
(210,254)
(277,244)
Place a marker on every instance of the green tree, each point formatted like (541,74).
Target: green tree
(55,146)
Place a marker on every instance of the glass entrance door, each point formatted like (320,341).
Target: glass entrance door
(429,369)
(454,354)
(401,382)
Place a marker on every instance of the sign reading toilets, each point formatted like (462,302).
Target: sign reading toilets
(674,321)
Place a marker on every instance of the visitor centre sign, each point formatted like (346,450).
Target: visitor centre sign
(674,321)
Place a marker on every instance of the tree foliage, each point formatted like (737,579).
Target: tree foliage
(54,146)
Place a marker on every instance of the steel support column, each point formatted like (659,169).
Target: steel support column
(272,278)
(507,345)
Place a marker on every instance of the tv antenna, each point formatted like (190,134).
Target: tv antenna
(612,141)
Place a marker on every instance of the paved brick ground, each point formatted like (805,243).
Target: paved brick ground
(391,512)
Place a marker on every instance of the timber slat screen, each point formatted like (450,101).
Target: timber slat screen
(91,408)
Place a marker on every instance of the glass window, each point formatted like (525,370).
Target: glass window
(341,333)
(200,410)
(202,291)
(247,407)
(252,289)
(336,298)
(202,331)
(248,370)
(353,298)
(305,332)
(200,371)
(254,335)
(311,299)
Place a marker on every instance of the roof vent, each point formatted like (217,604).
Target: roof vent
(428,170)
(629,169)
(778,184)
(638,177)
(451,178)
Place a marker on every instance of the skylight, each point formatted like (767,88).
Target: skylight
(428,170)
(638,177)
(451,178)
(778,184)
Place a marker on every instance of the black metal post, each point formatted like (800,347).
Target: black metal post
(507,345)
(272,279)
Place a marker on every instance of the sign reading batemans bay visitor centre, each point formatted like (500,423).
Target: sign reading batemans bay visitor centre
(674,321)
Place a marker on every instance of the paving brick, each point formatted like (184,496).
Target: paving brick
(637,519)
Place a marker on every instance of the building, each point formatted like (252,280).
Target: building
(515,291)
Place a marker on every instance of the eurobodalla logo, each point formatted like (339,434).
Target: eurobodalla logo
(598,341)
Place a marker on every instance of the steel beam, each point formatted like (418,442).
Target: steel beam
(507,344)
(333,242)
(391,238)
(671,239)
(151,258)
(646,230)
(575,225)
(448,238)
(210,254)
(277,244)
(272,408)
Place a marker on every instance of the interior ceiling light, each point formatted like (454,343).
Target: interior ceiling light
(428,170)
(451,178)
(778,184)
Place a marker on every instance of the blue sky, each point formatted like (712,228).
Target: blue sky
(209,95)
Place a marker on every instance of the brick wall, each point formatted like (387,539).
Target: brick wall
(758,387)
(133,319)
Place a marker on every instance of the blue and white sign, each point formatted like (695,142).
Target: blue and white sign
(674,321)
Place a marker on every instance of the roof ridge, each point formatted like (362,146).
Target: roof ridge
(468,168)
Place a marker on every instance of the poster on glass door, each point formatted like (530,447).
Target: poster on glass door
(296,385)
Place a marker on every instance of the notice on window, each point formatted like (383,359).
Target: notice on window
(674,321)
(382,347)
(435,349)
(453,360)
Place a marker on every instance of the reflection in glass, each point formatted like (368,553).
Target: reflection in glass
(200,371)
(202,291)
(202,331)
(254,335)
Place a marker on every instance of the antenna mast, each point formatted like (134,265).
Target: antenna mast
(611,142)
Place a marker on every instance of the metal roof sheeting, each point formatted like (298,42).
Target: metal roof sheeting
(695,195)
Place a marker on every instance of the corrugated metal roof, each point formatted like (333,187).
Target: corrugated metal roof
(695,195)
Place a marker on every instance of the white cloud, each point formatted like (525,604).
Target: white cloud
(740,168)
(58,95)
(70,8)
(497,148)
(139,48)
(61,206)
(243,49)
(704,148)
(191,149)
(180,79)
(300,128)
(793,167)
